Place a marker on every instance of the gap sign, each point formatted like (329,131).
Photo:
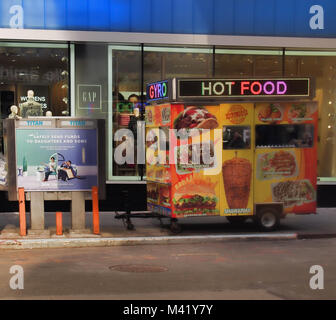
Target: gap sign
(243,88)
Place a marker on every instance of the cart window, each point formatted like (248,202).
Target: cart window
(236,137)
(285,136)
(164,138)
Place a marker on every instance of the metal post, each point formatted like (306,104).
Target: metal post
(22,212)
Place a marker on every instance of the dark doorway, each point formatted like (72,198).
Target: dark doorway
(6,101)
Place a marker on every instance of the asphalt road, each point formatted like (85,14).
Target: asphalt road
(221,270)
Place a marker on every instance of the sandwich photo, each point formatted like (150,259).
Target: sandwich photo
(276,164)
(152,191)
(150,172)
(195,118)
(193,157)
(195,196)
(164,195)
(270,113)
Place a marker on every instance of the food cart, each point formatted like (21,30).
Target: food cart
(239,148)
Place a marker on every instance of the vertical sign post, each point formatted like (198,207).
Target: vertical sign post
(95,210)
(22,212)
(59,223)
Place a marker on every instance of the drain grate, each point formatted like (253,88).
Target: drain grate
(139,268)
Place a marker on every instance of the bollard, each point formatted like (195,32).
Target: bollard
(95,210)
(22,212)
(59,224)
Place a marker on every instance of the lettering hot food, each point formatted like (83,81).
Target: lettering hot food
(247,89)
(243,88)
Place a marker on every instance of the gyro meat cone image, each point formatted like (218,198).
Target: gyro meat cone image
(237,182)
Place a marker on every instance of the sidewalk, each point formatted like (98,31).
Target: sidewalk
(149,230)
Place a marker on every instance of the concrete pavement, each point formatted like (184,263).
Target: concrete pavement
(148,231)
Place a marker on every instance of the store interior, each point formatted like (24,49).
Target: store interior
(56,73)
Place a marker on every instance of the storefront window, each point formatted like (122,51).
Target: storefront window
(168,62)
(38,68)
(109,82)
(125,107)
(244,63)
(321,66)
(91,76)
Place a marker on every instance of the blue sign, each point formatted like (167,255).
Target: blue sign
(300,18)
(56,159)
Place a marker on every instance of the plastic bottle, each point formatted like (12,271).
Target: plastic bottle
(24,164)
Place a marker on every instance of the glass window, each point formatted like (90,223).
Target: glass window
(125,107)
(35,78)
(285,136)
(164,138)
(322,67)
(236,137)
(248,63)
(91,75)
(168,62)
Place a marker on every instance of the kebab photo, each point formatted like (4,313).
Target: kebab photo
(195,118)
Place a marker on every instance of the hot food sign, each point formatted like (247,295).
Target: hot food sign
(246,89)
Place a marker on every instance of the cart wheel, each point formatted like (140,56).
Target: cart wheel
(236,220)
(129,225)
(267,219)
(175,227)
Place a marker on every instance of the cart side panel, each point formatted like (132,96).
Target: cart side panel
(236,179)
(158,121)
(195,184)
(286,155)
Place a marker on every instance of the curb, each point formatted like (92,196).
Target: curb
(109,242)
(303,236)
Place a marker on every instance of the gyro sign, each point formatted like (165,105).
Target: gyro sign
(158,90)
(247,89)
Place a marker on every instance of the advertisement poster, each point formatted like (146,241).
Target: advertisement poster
(56,159)
(196,182)
(268,155)
(237,159)
(285,155)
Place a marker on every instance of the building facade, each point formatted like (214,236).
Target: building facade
(90,58)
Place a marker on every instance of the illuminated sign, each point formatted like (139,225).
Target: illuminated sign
(157,91)
(209,89)
(241,17)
